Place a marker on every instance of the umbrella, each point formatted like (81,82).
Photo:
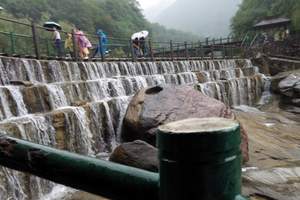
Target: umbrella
(51,25)
(1,8)
(139,35)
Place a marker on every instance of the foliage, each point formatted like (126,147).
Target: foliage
(252,11)
(118,18)
(160,33)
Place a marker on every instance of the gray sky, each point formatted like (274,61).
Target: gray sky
(148,3)
(152,8)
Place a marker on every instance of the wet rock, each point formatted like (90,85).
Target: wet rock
(155,106)
(290,91)
(273,184)
(296,102)
(137,154)
(79,103)
(201,77)
(297,88)
(79,195)
(21,83)
(290,86)
(273,65)
(36,99)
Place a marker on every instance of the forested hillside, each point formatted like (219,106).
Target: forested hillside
(251,11)
(118,18)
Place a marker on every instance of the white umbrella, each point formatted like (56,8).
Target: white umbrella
(139,35)
(1,8)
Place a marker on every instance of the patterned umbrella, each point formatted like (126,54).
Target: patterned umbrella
(139,35)
(51,25)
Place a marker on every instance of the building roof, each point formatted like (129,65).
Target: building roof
(272,22)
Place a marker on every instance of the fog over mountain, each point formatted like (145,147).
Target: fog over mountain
(203,17)
(155,8)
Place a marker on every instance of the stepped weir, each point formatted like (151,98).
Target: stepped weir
(80,106)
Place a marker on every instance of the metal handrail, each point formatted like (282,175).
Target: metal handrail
(154,47)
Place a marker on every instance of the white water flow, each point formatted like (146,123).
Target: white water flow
(80,107)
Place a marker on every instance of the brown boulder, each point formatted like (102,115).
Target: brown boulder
(152,107)
(137,154)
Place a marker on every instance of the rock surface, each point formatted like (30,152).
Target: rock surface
(273,65)
(290,85)
(277,183)
(137,154)
(275,80)
(155,106)
(290,92)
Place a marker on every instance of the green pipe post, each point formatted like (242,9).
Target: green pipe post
(12,43)
(99,177)
(48,47)
(133,56)
(231,51)
(186,50)
(197,50)
(75,46)
(200,159)
(101,49)
(212,51)
(151,50)
(35,40)
(201,51)
(171,50)
(192,49)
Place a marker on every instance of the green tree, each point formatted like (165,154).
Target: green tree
(252,11)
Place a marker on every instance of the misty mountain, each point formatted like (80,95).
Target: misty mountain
(203,17)
(153,12)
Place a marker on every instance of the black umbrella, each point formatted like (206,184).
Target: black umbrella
(51,25)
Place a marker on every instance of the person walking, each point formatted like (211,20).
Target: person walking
(102,45)
(136,47)
(83,43)
(69,44)
(143,47)
(57,42)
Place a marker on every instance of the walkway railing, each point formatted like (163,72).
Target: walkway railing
(198,159)
(34,41)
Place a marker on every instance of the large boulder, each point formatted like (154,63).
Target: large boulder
(290,91)
(152,107)
(137,154)
(290,86)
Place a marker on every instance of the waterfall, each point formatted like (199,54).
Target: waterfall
(80,106)
(57,96)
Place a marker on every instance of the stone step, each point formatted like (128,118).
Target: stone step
(239,91)
(30,70)
(21,100)
(217,75)
(75,129)
(211,65)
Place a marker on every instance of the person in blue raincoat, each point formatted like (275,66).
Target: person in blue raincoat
(102,46)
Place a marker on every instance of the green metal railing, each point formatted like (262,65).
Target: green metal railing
(199,159)
(38,43)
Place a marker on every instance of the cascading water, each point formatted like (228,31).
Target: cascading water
(80,106)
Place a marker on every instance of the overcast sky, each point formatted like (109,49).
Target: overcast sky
(152,8)
(146,4)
